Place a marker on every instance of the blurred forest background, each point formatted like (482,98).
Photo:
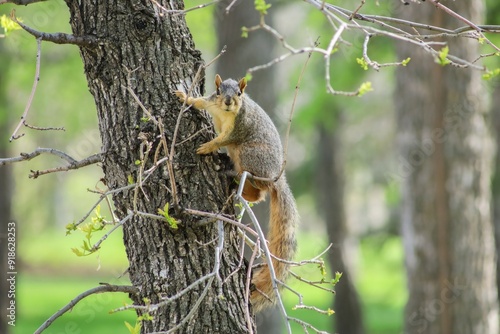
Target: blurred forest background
(344,164)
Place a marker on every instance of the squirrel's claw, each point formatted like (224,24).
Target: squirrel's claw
(181,95)
(206,148)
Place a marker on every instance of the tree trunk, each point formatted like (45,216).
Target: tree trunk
(445,156)
(5,196)
(493,12)
(330,199)
(495,186)
(156,52)
(242,54)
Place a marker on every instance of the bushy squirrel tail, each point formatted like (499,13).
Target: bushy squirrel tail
(283,220)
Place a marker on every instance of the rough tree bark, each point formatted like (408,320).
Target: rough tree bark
(157,53)
(445,156)
(242,54)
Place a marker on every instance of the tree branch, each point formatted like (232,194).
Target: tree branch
(267,253)
(33,90)
(35,153)
(20,2)
(57,38)
(73,164)
(70,305)
(93,159)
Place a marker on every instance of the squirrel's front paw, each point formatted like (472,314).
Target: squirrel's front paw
(206,148)
(181,95)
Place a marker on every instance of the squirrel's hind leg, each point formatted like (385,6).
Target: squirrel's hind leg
(253,194)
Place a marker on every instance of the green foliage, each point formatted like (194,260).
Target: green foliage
(172,222)
(135,329)
(406,61)
(491,74)
(365,88)
(97,224)
(261,6)
(337,278)
(442,58)
(8,24)
(248,77)
(244,32)
(70,228)
(322,268)
(363,63)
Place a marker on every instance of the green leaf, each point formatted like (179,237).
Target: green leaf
(406,61)
(322,268)
(145,317)
(330,311)
(137,162)
(135,329)
(8,24)
(244,32)
(172,222)
(97,223)
(363,63)
(248,78)
(337,278)
(130,179)
(77,252)
(70,228)
(365,88)
(261,6)
(442,58)
(491,74)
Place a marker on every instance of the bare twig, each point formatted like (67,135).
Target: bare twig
(267,253)
(183,11)
(97,245)
(103,196)
(306,326)
(228,8)
(292,109)
(93,159)
(20,2)
(247,285)
(215,217)
(315,284)
(44,128)
(70,305)
(356,10)
(37,152)
(33,89)
(58,38)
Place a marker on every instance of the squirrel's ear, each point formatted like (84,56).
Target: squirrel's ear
(242,84)
(218,81)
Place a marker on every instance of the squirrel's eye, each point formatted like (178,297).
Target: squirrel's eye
(239,93)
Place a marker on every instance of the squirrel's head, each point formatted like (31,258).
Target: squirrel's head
(229,93)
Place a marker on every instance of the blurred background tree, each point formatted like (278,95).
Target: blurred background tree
(341,161)
(446,223)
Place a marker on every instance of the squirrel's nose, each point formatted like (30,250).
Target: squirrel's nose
(227,101)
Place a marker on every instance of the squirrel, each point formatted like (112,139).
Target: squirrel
(253,144)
